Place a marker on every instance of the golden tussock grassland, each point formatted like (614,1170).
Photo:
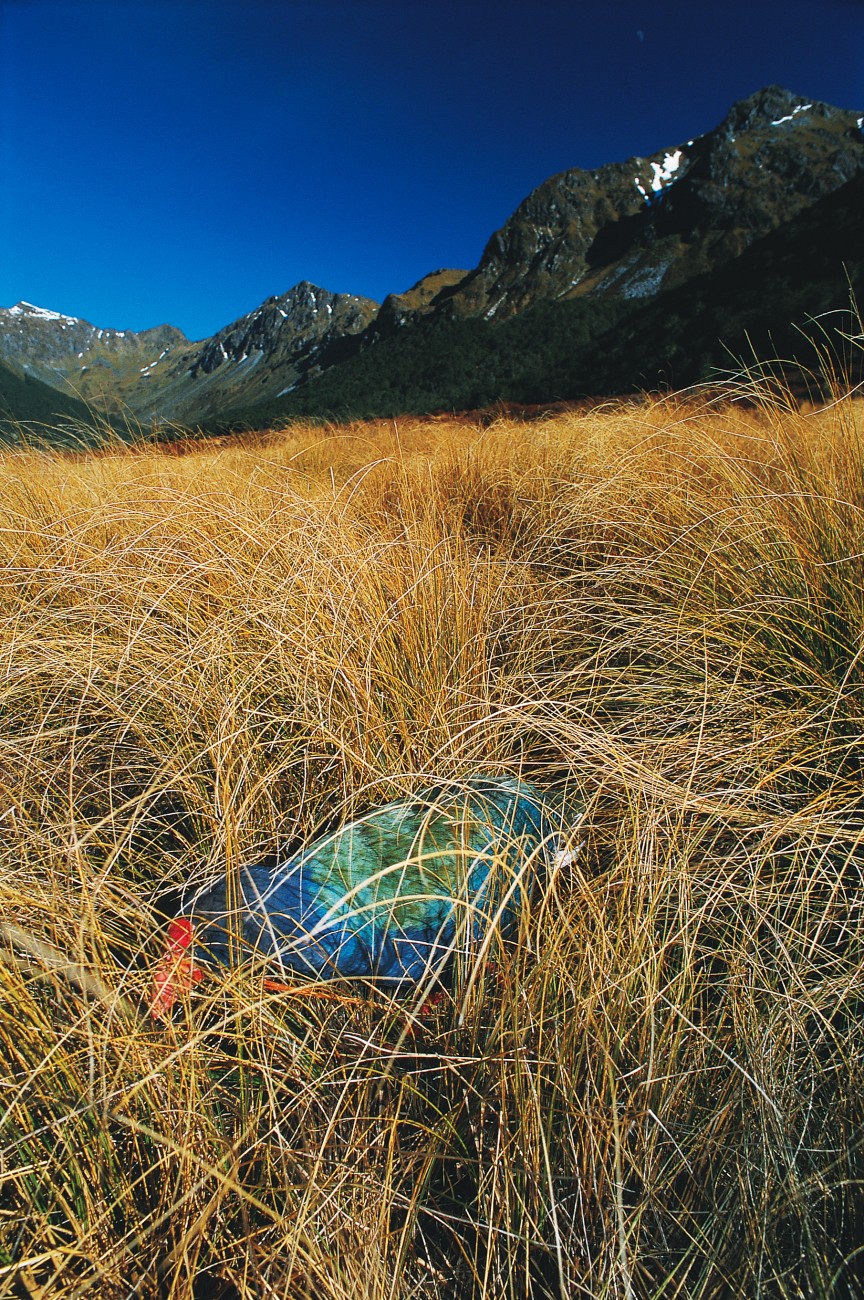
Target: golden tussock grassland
(658,1090)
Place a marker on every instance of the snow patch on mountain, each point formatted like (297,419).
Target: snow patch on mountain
(41,313)
(790,117)
(663,173)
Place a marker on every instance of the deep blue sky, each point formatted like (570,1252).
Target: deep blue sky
(181,160)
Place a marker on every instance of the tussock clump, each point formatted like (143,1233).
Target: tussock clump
(656,1089)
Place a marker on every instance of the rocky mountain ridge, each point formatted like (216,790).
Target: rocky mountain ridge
(159,374)
(635,228)
(266,353)
(617,237)
(74,356)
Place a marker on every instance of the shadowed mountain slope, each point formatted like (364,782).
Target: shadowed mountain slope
(759,303)
(26,403)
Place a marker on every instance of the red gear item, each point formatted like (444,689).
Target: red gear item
(177,972)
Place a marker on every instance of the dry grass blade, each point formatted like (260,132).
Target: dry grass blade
(50,958)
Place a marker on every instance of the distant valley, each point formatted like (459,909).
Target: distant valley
(654,271)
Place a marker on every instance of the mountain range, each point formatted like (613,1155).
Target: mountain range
(656,270)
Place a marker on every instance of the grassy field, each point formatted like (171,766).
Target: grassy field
(658,1090)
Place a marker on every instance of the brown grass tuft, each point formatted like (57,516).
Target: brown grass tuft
(659,1090)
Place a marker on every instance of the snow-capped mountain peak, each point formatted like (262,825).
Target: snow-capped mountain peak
(38,313)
